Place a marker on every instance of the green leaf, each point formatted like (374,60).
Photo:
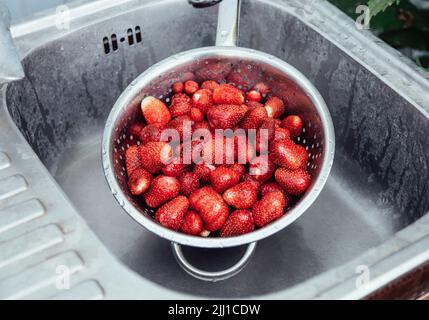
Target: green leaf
(377,6)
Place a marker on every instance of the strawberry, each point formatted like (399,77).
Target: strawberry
(174,169)
(180,124)
(294,124)
(139,181)
(202,171)
(135,129)
(244,150)
(188,183)
(275,107)
(264,135)
(238,223)
(178,87)
(249,178)
(254,118)
(192,224)
(180,105)
(243,76)
(161,190)
(154,155)
(216,71)
(133,159)
(223,178)
(196,115)
(269,208)
(201,125)
(154,110)
(225,116)
(281,134)
(151,133)
(262,88)
(191,87)
(253,104)
(261,168)
(211,207)
(241,196)
(202,100)
(239,168)
(294,182)
(254,95)
(286,153)
(270,187)
(228,94)
(171,214)
(209,85)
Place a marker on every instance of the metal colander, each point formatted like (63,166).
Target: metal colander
(300,97)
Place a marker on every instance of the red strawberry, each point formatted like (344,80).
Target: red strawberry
(239,168)
(134,129)
(261,168)
(281,134)
(241,196)
(270,187)
(286,153)
(192,224)
(264,135)
(249,178)
(161,190)
(154,155)
(201,125)
(253,104)
(139,181)
(244,150)
(174,169)
(171,214)
(238,223)
(254,118)
(228,94)
(188,183)
(294,124)
(254,95)
(275,107)
(191,87)
(181,124)
(196,115)
(151,133)
(294,182)
(210,206)
(262,88)
(242,76)
(154,110)
(216,71)
(202,100)
(209,85)
(223,178)
(180,105)
(269,208)
(178,87)
(225,116)
(133,159)
(202,171)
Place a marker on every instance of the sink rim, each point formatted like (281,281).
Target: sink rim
(339,282)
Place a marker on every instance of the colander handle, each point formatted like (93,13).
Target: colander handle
(216,275)
(228,23)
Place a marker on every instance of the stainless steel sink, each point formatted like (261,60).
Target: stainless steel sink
(373,207)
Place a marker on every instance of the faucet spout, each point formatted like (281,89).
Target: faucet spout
(10,65)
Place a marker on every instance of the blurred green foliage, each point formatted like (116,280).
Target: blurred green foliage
(398,22)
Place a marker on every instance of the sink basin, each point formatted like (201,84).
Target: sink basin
(377,187)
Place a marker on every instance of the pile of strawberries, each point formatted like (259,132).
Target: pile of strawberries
(246,189)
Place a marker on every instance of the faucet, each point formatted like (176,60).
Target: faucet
(10,65)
